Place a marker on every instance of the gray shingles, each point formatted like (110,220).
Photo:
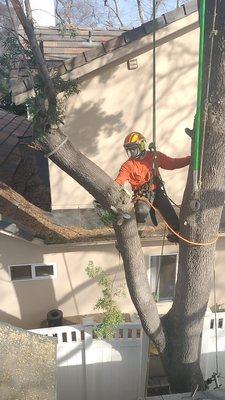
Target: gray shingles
(115,43)
(94,53)
(191,7)
(134,34)
(109,45)
(174,15)
(74,62)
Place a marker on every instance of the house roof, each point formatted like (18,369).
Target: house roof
(22,87)
(19,167)
(13,128)
(61,47)
(57,47)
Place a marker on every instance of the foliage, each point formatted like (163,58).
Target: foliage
(51,116)
(112,316)
(16,55)
(9,60)
(64,28)
(107,217)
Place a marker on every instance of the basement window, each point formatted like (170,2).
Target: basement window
(24,272)
(163,272)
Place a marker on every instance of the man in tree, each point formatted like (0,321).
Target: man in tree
(141,171)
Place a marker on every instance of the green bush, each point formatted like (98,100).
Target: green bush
(112,316)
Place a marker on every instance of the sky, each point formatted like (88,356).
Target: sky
(129,10)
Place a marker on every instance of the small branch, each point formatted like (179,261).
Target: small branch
(140,11)
(17,35)
(114,11)
(29,12)
(40,62)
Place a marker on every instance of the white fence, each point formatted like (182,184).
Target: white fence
(91,369)
(213,327)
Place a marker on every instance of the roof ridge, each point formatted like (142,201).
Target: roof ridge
(113,44)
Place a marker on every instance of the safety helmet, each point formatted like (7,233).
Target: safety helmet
(135,144)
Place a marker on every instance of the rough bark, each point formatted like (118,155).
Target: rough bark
(15,207)
(183,324)
(177,336)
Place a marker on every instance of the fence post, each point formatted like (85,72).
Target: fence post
(143,365)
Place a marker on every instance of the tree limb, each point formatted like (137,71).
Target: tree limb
(40,62)
(15,207)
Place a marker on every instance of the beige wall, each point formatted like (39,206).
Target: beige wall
(26,303)
(118,100)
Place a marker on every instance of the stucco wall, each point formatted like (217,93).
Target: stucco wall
(118,100)
(26,303)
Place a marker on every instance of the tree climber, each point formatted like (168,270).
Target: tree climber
(141,171)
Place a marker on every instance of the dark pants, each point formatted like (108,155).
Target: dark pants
(163,205)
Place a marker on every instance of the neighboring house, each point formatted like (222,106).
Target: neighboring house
(115,97)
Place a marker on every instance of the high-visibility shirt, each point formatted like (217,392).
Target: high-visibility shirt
(140,171)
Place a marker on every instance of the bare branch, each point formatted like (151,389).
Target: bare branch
(28,11)
(140,11)
(40,62)
(17,36)
(115,11)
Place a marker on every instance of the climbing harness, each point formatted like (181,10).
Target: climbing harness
(172,230)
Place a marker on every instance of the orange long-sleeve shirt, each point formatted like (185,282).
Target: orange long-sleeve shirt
(139,171)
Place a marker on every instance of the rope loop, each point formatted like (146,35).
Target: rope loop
(171,229)
(56,148)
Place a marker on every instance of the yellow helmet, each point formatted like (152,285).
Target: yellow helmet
(135,144)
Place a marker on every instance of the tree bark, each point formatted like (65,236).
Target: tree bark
(177,336)
(183,324)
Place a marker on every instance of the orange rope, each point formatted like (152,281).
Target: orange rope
(145,200)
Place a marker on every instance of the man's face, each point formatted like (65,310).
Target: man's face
(133,150)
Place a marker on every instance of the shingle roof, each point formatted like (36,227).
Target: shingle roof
(60,47)
(12,128)
(57,47)
(103,47)
(21,169)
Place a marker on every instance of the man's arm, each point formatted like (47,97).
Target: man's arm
(166,162)
(123,175)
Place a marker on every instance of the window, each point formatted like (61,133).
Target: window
(32,271)
(163,270)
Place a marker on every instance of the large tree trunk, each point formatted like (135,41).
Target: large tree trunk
(183,324)
(177,336)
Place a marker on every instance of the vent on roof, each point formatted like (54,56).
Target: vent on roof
(132,64)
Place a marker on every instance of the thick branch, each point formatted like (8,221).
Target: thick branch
(25,214)
(130,248)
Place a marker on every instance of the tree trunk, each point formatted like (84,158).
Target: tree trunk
(177,336)
(183,324)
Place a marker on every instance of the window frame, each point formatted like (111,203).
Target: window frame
(165,299)
(33,274)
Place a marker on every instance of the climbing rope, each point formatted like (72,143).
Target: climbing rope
(160,263)
(197,137)
(145,200)
(154,75)
(200,139)
(215,314)
(212,36)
